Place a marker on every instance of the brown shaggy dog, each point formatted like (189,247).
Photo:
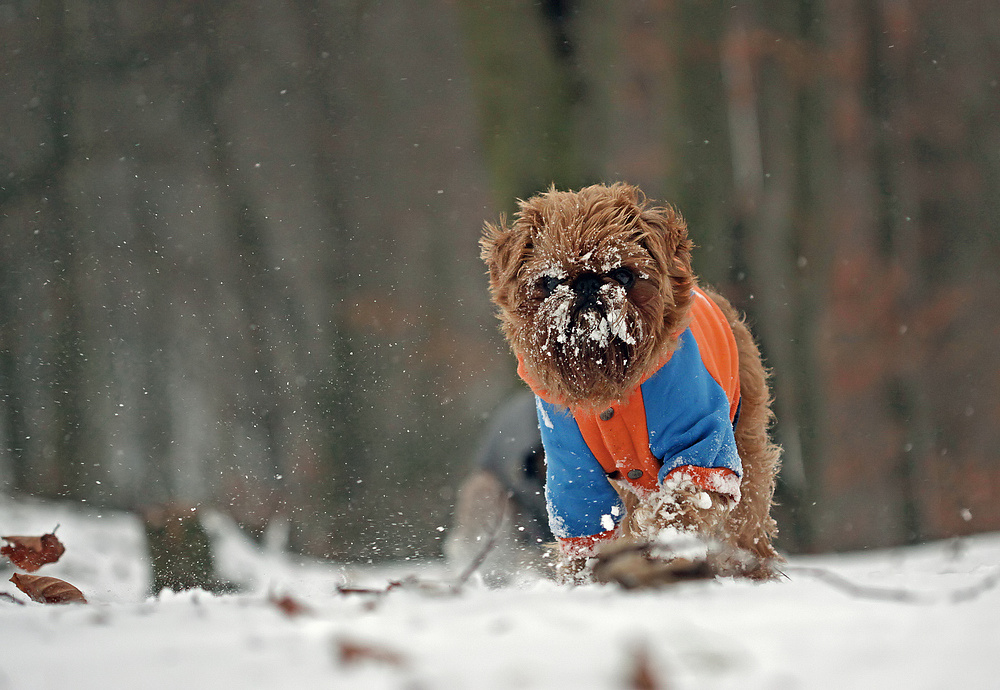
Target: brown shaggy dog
(595,289)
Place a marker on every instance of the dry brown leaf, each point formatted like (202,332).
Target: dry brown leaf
(642,676)
(351,653)
(288,606)
(31,553)
(47,590)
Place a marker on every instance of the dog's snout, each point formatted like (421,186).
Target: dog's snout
(587,285)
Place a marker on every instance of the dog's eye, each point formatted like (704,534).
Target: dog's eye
(624,276)
(549,284)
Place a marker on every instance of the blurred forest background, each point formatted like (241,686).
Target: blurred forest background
(239,262)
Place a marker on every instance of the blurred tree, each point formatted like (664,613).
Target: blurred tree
(529,94)
(239,263)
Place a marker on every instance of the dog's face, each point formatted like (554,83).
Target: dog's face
(593,289)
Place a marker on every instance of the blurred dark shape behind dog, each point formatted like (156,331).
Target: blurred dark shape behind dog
(506,482)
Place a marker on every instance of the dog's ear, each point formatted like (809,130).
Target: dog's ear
(666,239)
(504,250)
(669,232)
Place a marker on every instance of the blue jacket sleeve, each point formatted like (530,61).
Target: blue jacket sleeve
(581,501)
(687,414)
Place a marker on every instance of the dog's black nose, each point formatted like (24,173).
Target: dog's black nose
(587,284)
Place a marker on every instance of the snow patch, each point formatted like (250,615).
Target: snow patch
(591,325)
(797,632)
(543,414)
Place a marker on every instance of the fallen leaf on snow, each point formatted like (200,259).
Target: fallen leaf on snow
(351,653)
(288,606)
(47,590)
(641,676)
(31,553)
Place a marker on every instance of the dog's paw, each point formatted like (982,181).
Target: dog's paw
(569,570)
(679,505)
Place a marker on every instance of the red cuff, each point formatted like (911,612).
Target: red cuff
(721,480)
(585,547)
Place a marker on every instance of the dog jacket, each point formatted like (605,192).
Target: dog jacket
(680,419)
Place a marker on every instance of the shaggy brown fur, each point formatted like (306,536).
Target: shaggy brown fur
(590,356)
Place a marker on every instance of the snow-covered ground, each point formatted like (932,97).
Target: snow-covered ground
(923,617)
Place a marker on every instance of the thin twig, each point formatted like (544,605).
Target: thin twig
(437,587)
(956,596)
(491,542)
(11,598)
(392,584)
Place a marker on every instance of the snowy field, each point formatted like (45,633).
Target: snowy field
(924,617)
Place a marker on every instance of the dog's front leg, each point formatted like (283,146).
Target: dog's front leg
(679,506)
(668,536)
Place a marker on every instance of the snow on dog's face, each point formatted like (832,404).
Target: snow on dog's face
(593,288)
